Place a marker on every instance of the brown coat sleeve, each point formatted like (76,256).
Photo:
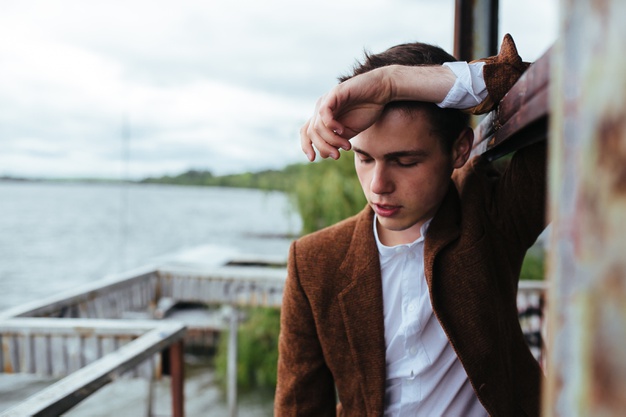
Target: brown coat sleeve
(500,72)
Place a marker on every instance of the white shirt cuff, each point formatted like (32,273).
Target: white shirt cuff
(469,89)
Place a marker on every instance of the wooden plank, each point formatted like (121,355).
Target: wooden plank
(74,353)
(232,362)
(58,347)
(15,354)
(71,390)
(7,353)
(42,352)
(177,370)
(59,357)
(91,349)
(28,358)
(76,326)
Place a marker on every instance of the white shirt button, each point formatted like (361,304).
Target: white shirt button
(413,350)
(411,307)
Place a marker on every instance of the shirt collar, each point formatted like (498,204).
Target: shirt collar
(391,250)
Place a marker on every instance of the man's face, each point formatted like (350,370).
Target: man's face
(404,172)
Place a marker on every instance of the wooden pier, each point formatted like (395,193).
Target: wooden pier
(122,325)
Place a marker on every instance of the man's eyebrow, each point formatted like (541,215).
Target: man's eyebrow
(395,155)
(361,151)
(403,154)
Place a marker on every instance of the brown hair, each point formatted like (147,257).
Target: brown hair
(446,123)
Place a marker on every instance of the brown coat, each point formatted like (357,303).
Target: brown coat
(332,333)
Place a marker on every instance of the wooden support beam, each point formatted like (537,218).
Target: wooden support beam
(177,370)
(232,361)
(475,29)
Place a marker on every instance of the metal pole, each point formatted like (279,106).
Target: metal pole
(587,266)
(232,362)
(475,29)
(177,370)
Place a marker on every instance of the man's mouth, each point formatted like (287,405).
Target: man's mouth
(385,210)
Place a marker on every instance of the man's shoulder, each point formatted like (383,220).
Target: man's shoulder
(319,257)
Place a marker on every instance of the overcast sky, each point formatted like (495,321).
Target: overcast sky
(203,84)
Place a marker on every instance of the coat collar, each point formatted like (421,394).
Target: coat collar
(445,228)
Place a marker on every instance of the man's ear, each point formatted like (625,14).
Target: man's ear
(462,147)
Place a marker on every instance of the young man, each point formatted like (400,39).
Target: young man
(409,308)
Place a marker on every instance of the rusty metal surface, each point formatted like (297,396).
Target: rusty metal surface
(475,29)
(587,266)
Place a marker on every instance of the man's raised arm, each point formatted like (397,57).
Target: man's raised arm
(355,104)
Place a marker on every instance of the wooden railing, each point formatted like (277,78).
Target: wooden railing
(79,334)
(138,292)
(112,298)
(91,352)
(521,118)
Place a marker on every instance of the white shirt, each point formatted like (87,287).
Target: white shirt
(424,375)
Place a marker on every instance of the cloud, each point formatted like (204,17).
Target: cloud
(214,85)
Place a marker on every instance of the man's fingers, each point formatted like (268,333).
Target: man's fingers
(327,117)
(324,148)
(330,134)
(311,140)
(305,142)
(327,141)
(323,133)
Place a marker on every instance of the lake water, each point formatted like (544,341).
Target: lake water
(55,236)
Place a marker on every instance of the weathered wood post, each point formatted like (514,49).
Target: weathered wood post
(587,263)
(177,369)
(475,29)
(232,361)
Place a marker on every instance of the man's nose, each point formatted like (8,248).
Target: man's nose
(381,180)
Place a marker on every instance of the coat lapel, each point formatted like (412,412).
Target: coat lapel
(444,228)
(362,310)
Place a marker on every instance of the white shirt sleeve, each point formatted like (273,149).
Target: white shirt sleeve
(469,89)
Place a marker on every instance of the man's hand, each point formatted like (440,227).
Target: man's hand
(354,105)
(348,109)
